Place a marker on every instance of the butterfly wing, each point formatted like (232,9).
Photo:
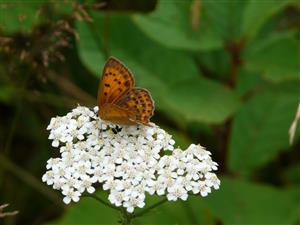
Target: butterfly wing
(116,80)
(118,100)
(138,104)
(116,114)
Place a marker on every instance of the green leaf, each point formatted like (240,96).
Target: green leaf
(170,25)
(276,57)
(89,48)
(247,83)
(257,14)
(89,211)
(240,202)
(192,211)
(19,15)
(224,17)
(293,174)
(178,90)
(260,128)
(200,100)
(208,61)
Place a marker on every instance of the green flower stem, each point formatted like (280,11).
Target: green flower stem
(143,212)
(103,202)
(126,217)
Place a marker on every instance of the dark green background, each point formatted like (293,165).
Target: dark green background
(225,74)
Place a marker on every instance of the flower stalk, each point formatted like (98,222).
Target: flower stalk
(126,217)
(147,210)
(102,202)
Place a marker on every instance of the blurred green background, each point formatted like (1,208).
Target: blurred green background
(225,74)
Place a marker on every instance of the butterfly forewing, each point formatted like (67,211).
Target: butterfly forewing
(116,80)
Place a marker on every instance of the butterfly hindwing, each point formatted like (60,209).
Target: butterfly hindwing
(116,81)
(139,105)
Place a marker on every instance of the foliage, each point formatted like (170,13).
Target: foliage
(225,74)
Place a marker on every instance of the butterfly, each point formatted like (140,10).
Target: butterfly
(119,101)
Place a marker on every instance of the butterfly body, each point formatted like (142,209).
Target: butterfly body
(119,100)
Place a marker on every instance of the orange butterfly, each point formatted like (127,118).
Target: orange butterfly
(118,100)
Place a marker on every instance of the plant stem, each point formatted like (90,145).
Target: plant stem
(143,212)
(103,202)
(126,217)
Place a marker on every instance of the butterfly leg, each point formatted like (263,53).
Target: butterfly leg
(101,132)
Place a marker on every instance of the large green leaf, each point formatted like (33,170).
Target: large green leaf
(215,63)
(260,128)
(90,48)
(241,202)
(170,75)
(202,100)
(171,26)
(225,17)
(248,82)
(258,12)
(276,57)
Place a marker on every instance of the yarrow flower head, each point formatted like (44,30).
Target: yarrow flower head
(128,161)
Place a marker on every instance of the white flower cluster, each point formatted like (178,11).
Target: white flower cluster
(129,161)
